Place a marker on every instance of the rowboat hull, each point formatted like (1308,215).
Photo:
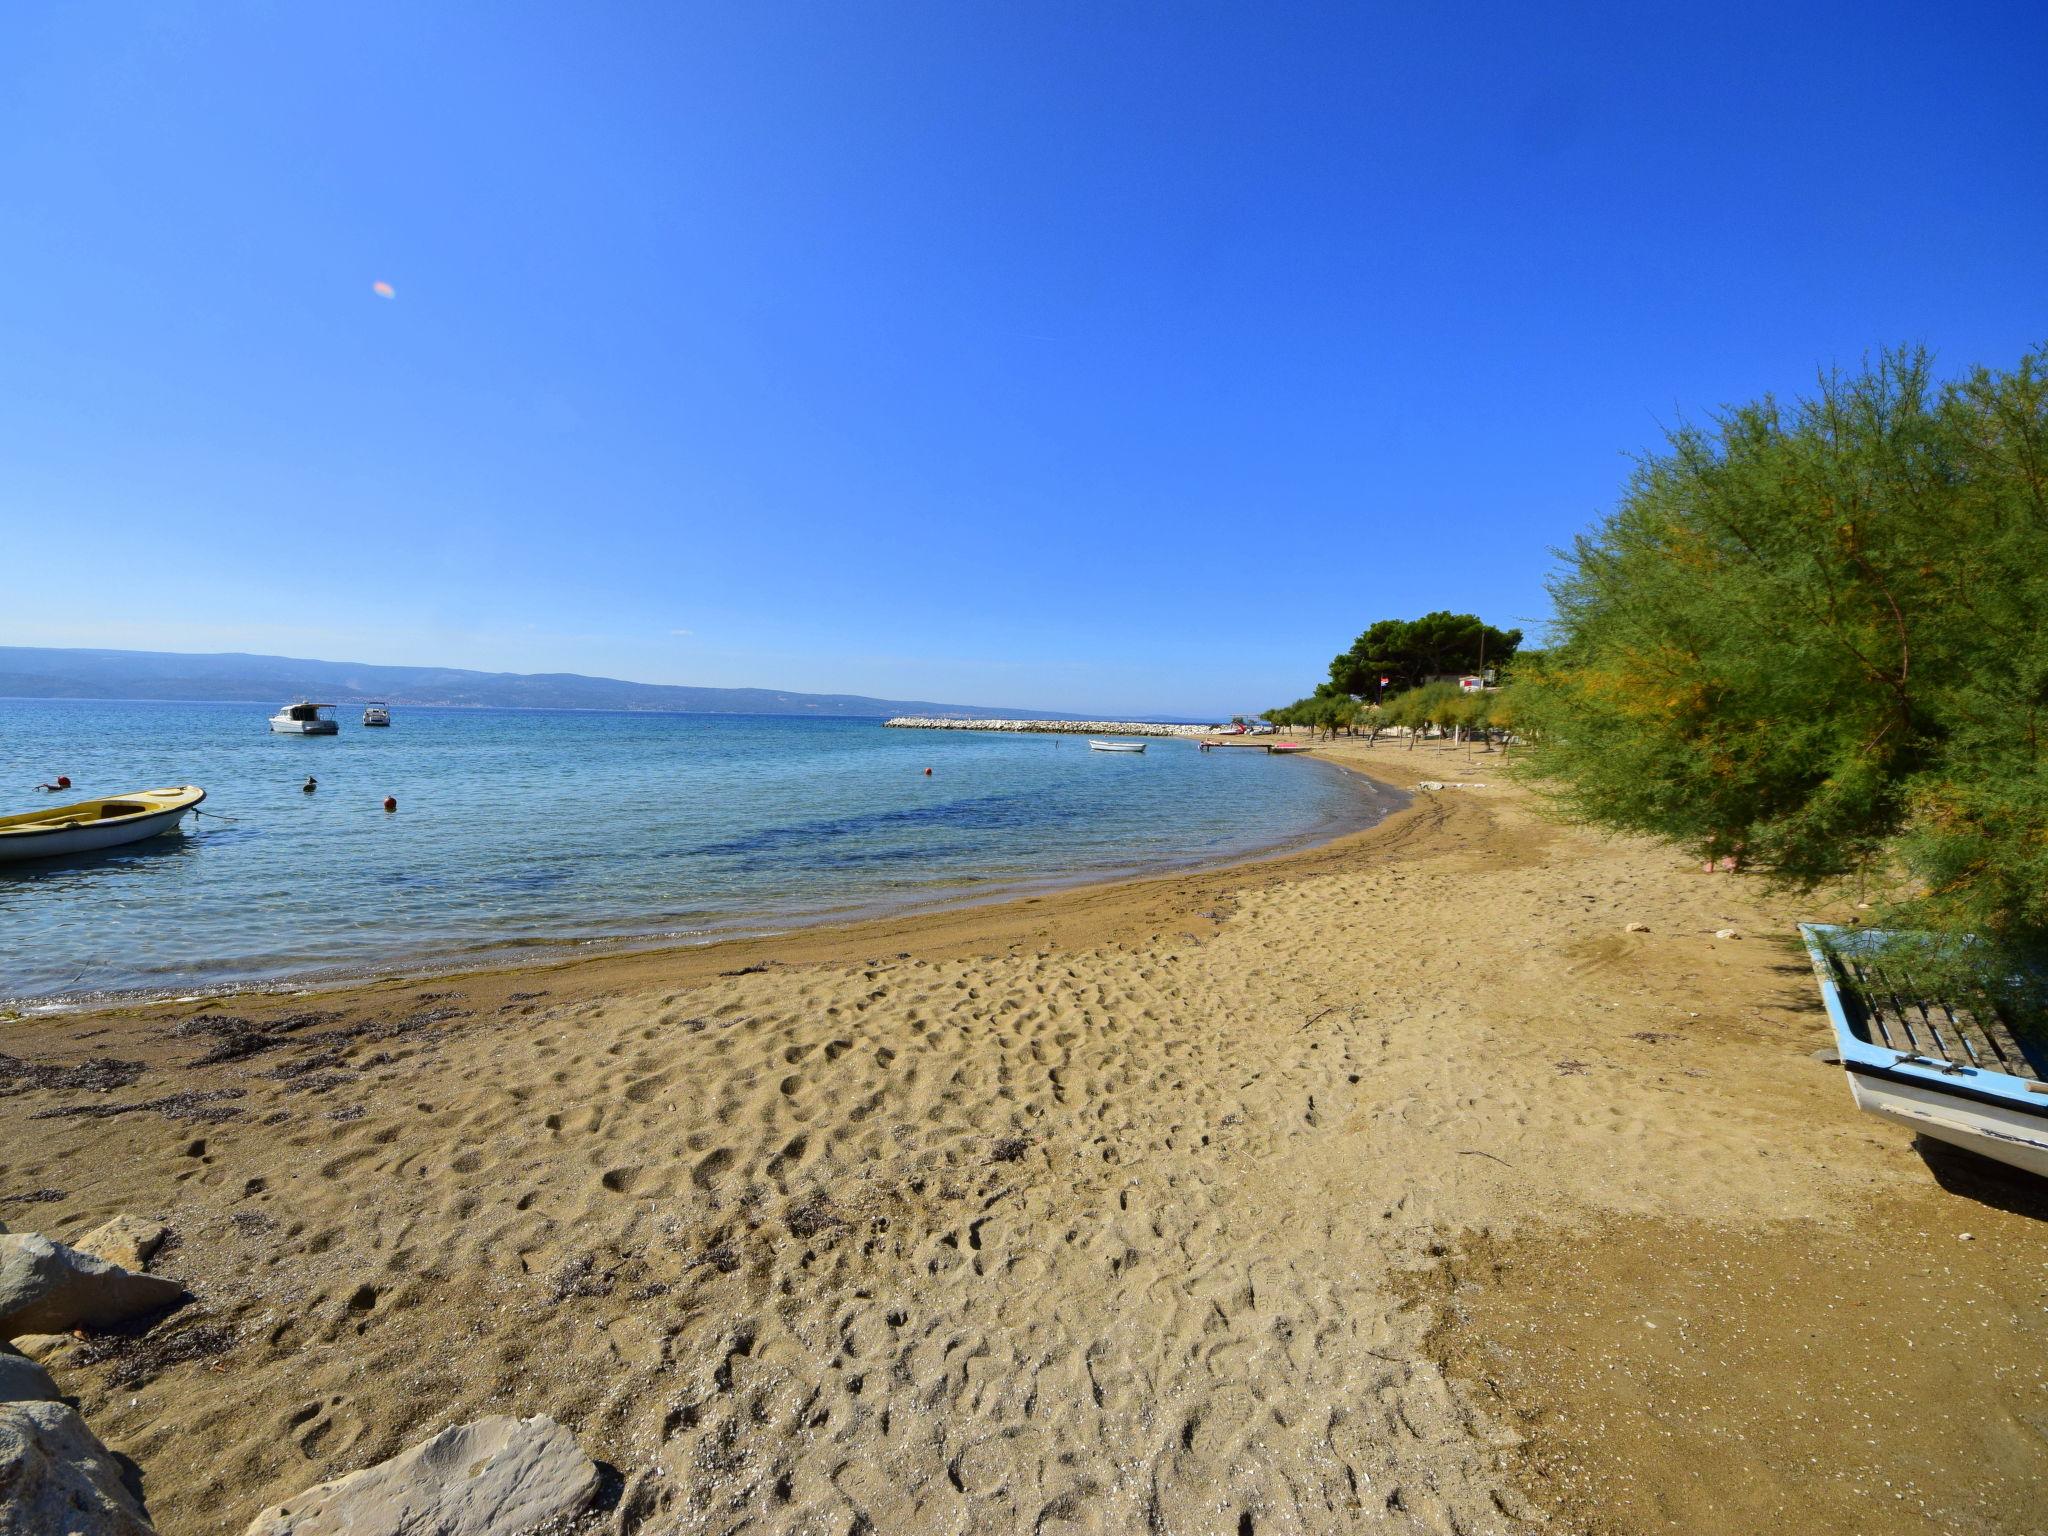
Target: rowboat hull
(2002,1133)
(71,830)
(1116,746)
(1952,1097)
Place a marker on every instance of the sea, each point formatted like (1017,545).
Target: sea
(528,833)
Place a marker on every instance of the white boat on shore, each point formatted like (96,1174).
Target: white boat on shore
(91,825)
(304,719)
(1116,746)
(1951,1072)
(377,714)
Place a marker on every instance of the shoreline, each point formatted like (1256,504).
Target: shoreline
(1031,726)
(1393,1179)
(546,954)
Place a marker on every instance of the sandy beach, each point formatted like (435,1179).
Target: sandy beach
(1388,1185)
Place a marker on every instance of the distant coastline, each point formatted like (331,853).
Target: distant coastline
(266,705)
(38,672)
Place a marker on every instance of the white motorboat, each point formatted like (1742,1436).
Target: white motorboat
(1948,1071)
(91,825)
(304,719)
(1116,746)
(377,714)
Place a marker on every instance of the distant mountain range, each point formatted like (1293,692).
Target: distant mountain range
(36,672)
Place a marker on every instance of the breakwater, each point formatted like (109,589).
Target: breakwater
(1050,727)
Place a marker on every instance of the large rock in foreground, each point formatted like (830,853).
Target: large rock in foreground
(495,1477)
(48,1288)
(23,1381)
(56,1479)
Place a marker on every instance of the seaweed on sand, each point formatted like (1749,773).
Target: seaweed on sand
(100,1074)
(138,1359)
(206,1107)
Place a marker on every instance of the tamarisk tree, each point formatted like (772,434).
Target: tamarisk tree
(1814,637)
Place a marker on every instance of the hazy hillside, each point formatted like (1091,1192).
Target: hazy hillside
(36,672)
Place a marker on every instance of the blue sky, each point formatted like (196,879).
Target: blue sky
(1120,356)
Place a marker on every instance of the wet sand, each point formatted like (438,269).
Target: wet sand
(1385,1185)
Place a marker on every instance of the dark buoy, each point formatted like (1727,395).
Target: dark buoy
(927,773)
(310,785)
(390,802)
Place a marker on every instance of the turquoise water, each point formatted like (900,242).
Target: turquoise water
(525,829)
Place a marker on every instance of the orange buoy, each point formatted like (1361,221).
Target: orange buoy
(390,802)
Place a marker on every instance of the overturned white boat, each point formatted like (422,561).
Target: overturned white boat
(1116,746)
(1954,1072)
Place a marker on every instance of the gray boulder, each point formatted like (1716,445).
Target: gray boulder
(128,1241)
(48,1288)
(23,1381)
(495,1477)
(56,1479)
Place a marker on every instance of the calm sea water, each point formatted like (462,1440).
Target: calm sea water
(521,829)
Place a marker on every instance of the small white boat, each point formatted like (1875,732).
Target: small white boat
(1946,1071)
(1116,746)
(91,825)
(377,714)
(304,719)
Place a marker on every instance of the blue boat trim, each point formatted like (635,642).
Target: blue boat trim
(1955,1078)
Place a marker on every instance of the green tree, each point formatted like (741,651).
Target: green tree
(1815,637)
(1468,715)
(1505,715)
(1432,707)
(1408,651)
(1398,713)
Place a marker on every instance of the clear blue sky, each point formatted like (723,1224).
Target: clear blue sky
(1096,355)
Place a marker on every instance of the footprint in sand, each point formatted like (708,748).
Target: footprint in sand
(711,1167)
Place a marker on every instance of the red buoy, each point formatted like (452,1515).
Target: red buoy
(927,774)
(390,802)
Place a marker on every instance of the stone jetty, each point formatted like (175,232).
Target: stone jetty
(1050,727)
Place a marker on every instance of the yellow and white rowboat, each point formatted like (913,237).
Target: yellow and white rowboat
(92,825)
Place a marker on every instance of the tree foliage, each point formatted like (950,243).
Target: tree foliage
(1408,652)
(1325,710)
(1448,709)
(1815,637)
